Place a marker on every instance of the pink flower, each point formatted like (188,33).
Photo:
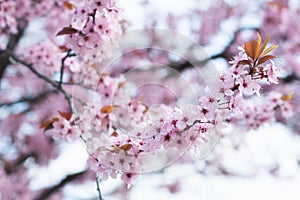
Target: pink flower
(236,103)
(272,73)
(62,126)
(248,86)
(208,102)
(124,162)
(238,58)
(129,178)
(226,84)
(286,110)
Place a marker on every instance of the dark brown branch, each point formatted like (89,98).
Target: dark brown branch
(43,77)
(62,68)
(13,41)
(30,99)
(223,54)
(98,189)
(34,71)
(79,85)
(290,78)
(13,166)
(48,192)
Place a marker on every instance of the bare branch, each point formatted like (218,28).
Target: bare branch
(48,192)
(13,41)
(223,54)
(290,78)
(43,77)
(30,99)
(98,189)
(63,66)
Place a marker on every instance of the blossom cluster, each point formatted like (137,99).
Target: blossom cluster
(44,56)
(14,14)
(52,53)
(8,22)
(276,106)
(93,27)
(125,136)
(19,182)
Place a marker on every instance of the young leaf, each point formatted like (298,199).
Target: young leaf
(244,62)
(69,5)
(258,39)
(66,115)
(114,134)
(126,147)
(67,31)
(64,48)
(47,125)
(106,109)
(263,46)
(287,97)
(271,48)
(265,58)
(252,49)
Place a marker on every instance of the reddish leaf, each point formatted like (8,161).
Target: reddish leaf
(121,84)
(47,125)
(102,76)
(287,97)
(66,115)
(69,5)
(271,48)
(245,62)
(64,48)
(106,109)
(263,46)
(258,39)
(114,134)
(251,49)
(126,147)
(67,31)
(265,58)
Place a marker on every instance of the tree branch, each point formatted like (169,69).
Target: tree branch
(48,192)
(290,78)
(63,66)
(43,77)
(31,99)
(98,189)
(13,41)
(223,54)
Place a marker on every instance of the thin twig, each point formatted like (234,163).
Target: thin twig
(30,99)
(48,192)
(79,85)
(223,54)
(13,42)
(34,71)
(62,68)
(41,76)
(98,189)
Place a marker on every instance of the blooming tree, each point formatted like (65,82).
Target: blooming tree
(73,70)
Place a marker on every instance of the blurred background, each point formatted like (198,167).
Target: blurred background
(245,164)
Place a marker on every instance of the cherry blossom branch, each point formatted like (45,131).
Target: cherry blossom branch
(98,189)
(48,192)
(290,78)
(41,76)
(34,71)
(11,166)
(79,85)
(223,54)
(30,99)
(13,41)
(63,66)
